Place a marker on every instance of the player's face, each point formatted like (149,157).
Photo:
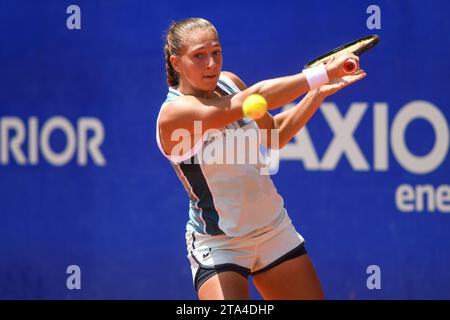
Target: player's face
(201,61)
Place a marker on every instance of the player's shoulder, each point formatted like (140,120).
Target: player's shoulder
(237,81)
(182,102)
(171,108)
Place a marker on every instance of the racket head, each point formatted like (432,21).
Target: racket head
(357,47)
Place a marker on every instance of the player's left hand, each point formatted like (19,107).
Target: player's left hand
(337,84)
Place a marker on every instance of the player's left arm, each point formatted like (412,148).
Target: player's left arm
(282,122)
(266,122)
(289,122)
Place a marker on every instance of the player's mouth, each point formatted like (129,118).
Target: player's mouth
(211,77)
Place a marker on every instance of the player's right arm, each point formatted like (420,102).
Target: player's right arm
(180,119)
(181,113)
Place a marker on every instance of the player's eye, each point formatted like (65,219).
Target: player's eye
(217,52)
(199,55)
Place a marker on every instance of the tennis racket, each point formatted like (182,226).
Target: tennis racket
(357,47)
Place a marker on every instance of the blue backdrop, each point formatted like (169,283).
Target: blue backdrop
(82,181)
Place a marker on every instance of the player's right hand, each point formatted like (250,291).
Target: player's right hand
(335,65)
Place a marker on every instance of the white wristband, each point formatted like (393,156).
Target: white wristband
(316,76)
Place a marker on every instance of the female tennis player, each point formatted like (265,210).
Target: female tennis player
(238,225)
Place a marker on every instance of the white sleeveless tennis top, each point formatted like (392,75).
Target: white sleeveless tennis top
(225,198)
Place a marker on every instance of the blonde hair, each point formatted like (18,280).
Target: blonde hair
(176,35)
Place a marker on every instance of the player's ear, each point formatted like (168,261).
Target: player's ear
(175,63)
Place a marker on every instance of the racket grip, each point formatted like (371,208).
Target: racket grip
(349,66)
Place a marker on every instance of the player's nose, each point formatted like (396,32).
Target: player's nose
(212,63)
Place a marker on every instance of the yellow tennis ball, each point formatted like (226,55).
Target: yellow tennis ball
(254,106)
